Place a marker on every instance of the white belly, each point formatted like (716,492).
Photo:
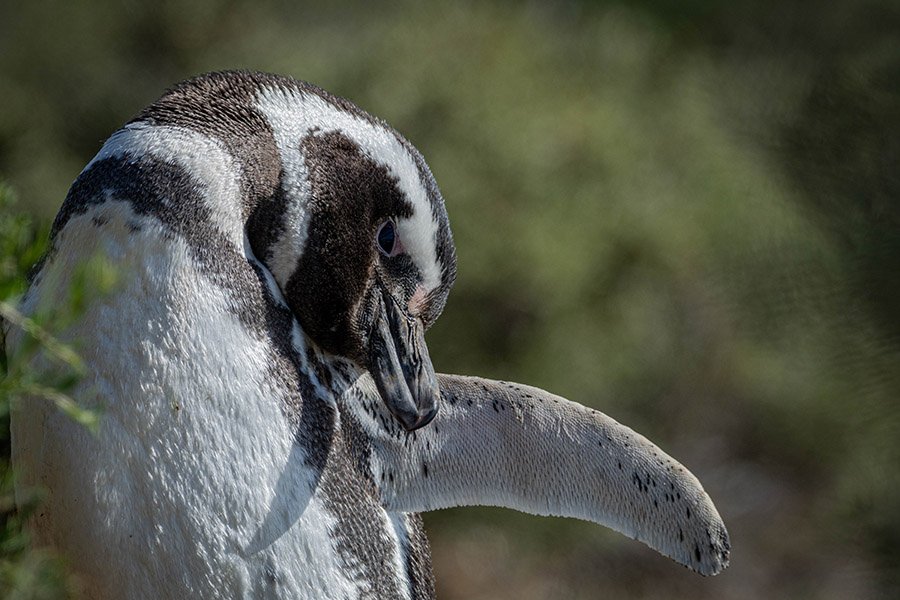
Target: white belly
(194,486)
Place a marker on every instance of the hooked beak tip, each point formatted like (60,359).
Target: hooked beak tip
(425,417)
(415,419)
(400,365)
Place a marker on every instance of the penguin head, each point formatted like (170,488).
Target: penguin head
(365,258)
(344,213)
(376,271)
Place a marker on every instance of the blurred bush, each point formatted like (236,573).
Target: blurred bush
(25,573)
(684,214)
(28,573)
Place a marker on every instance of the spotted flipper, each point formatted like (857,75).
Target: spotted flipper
(504,444)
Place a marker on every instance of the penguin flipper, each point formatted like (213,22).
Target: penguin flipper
(504,444)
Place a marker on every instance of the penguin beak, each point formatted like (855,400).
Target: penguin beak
(400,365)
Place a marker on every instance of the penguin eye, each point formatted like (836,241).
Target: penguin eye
(387,238)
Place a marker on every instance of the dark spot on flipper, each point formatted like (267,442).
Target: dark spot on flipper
(688,512)
(680,535)
(425,468)
(100,220)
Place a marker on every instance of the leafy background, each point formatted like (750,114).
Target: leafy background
(682,213)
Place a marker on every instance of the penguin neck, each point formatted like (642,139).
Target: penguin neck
(335,374)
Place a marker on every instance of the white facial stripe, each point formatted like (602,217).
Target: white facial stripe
(293,116)
(286,251)
(204,158)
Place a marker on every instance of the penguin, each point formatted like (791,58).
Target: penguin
(271,421)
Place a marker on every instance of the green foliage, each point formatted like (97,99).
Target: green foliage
(25,246)
(25,572)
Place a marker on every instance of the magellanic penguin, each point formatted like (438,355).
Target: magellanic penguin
(271,420)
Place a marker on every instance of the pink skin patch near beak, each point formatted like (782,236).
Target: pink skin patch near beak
(417,302)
